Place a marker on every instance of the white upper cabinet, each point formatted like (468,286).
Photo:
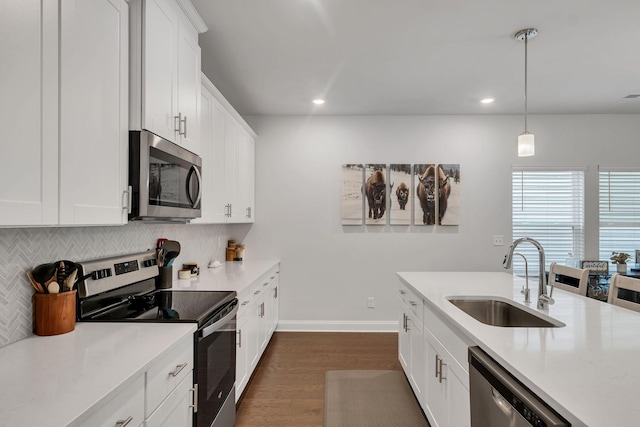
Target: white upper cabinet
(64,111)
(165,70)
(228,161)
(28,113)
(93,111)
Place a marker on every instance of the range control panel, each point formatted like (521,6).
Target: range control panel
(110,273)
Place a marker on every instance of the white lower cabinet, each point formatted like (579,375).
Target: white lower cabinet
(411,342)
(447,395)
(257,319)
(126,408)
(433,355)
(175,410)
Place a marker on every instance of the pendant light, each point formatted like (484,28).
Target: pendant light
(526,143)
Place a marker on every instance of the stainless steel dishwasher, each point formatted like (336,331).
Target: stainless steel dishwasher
(499,400)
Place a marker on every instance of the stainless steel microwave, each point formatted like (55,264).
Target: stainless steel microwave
(165,179)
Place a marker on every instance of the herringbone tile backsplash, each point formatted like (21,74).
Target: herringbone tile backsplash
(23,248)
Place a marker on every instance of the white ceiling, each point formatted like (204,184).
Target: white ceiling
(422,56)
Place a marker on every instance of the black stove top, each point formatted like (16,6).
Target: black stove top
(161,306)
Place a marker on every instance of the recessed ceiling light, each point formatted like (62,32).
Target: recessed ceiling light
(487,100)
(318,101)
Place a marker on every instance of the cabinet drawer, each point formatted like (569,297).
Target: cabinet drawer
(412,302)
(456,343)
(126,405)
(176,409)
(167,373)
(245,301)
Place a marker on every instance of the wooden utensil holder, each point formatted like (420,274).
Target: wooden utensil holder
(54,314)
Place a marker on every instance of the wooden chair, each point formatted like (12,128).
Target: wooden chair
(619,282)
(558,275)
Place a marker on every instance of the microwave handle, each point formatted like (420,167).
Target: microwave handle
(195,170)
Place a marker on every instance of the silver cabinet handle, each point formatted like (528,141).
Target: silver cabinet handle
(437,358)
(262,310)
(179,368)
(124,422)
(265,284)
(179,119)
(185,126)
(245,302)
(407,328)
(272,277)
(249,212)
(195,398)
(275,292)
(230,210)
(413,304)
(402,292)
(240,338)
(440,365)
(257,292)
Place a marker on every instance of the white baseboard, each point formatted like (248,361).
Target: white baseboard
(336,326)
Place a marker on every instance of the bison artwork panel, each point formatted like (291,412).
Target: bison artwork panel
(375,192)
(425,194)
(352,202)
(449,206)
(400,194)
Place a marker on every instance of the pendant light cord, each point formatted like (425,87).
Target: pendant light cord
(526,40)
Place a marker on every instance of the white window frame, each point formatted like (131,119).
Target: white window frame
(548,205)
(619,212)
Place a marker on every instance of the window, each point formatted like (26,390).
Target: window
(548,206)
(619,212)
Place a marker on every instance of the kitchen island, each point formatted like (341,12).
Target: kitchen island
(585,370)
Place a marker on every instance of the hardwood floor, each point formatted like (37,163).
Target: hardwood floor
(287,387)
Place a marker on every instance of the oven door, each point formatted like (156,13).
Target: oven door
(216,370)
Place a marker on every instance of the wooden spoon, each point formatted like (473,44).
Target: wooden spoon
(37,286)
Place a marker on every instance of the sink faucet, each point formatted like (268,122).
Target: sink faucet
(543,298)
(525,291)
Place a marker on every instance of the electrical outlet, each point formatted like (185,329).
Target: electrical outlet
(497,240)
(370,301)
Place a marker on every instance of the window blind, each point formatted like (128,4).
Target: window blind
(548,206)
(619,212)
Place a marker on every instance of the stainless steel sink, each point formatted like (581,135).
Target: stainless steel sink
(496,312)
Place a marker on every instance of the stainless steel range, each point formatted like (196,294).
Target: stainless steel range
(123,289)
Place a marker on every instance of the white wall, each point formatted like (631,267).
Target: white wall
(328,270)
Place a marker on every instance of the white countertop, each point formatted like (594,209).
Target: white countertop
(52,381)
(587,370)
(231,276)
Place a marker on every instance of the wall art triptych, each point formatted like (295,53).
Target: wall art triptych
(400,194)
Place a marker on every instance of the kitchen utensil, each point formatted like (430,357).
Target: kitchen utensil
(170,249)
(43,273)
(53,288)
(37,286)
(70,281)
(65,268)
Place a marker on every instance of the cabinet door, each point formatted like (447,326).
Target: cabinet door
(417,359)
(242,356)
(189,87)
(435,399)
(403,341)
(175,410)
(231,162)
(246,176)
(28,113)
(253,324)
(159,74)
(212,134)
(274,306)
(458,403)
(93,111)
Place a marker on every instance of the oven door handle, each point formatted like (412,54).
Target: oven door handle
(215,326)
